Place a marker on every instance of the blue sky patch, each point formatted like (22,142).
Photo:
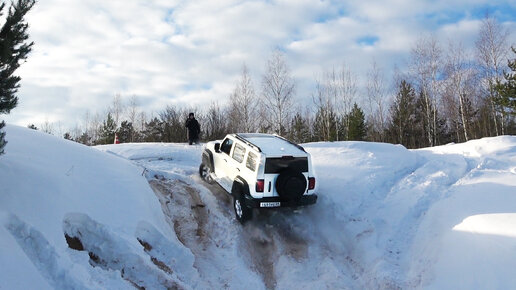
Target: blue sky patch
(368,40)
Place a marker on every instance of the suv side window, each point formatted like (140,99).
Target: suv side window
(251,161)
(238,153)
(226,146)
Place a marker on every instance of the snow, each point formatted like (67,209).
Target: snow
(45,181)
(272,145)
(387,217)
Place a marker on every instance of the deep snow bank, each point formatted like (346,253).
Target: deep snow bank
(441,217)
(467,239)
(49,187)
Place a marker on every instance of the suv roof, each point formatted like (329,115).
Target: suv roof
(272,144)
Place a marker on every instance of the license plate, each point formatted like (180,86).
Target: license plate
(270,204)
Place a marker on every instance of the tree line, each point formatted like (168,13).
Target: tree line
(446,95)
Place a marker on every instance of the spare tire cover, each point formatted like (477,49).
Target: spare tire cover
(290,184)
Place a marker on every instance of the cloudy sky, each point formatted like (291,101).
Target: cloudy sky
(168,52)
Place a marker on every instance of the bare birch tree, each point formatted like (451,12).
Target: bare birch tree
(278,90)
(335,93)
(425,66)
(243,104)
(324,100)
(376,98)
(132,109)
(459,76)
(132,115)
(215,123)
(117,109)
(492,49)
(347,94)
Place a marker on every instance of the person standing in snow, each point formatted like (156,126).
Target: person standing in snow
(194,129)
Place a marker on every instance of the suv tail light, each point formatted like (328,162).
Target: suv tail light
(260,185)
(311,183)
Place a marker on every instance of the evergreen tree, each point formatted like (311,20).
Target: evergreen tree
(300,129)
(107,131)
(506,99)
(14,48)
(403,115)
(154,131)
(67,136)
(325,125)
(125,132)
(356,120)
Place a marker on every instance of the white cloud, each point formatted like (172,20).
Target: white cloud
(191,52)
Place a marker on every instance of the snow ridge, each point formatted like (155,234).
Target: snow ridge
(42,254)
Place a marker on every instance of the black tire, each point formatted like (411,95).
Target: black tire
(291,185)
(242,212)
(204,172)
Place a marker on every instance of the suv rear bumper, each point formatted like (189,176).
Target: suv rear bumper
(258,202)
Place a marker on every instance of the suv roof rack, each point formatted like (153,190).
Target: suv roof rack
(247,142)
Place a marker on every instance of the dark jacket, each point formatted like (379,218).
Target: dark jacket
(194,129)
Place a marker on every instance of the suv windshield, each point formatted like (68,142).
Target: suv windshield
(276,165)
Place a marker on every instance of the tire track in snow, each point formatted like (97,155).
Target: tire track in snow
(260,242)
(207,232)
(280,247)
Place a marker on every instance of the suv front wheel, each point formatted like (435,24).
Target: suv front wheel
(205,173)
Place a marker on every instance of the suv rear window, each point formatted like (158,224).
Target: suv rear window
(251,161)
(276,165)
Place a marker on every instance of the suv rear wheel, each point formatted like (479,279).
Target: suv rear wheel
(242,212)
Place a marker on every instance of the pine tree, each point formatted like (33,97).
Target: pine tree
(506,99)
(125,132)
(403,115)
(300,129)
(325,125)
(14,48)
(356,120)
(107,131)
(154,131)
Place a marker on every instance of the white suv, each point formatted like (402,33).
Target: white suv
(259,171)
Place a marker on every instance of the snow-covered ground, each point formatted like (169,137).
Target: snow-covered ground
(50,187)
(387,217)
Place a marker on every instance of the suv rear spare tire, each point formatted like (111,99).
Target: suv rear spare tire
(291,184)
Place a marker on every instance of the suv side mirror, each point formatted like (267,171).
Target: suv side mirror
(217,147)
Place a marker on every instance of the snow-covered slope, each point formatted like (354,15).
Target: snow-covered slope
(387,217)
(437,218)
(49,187)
